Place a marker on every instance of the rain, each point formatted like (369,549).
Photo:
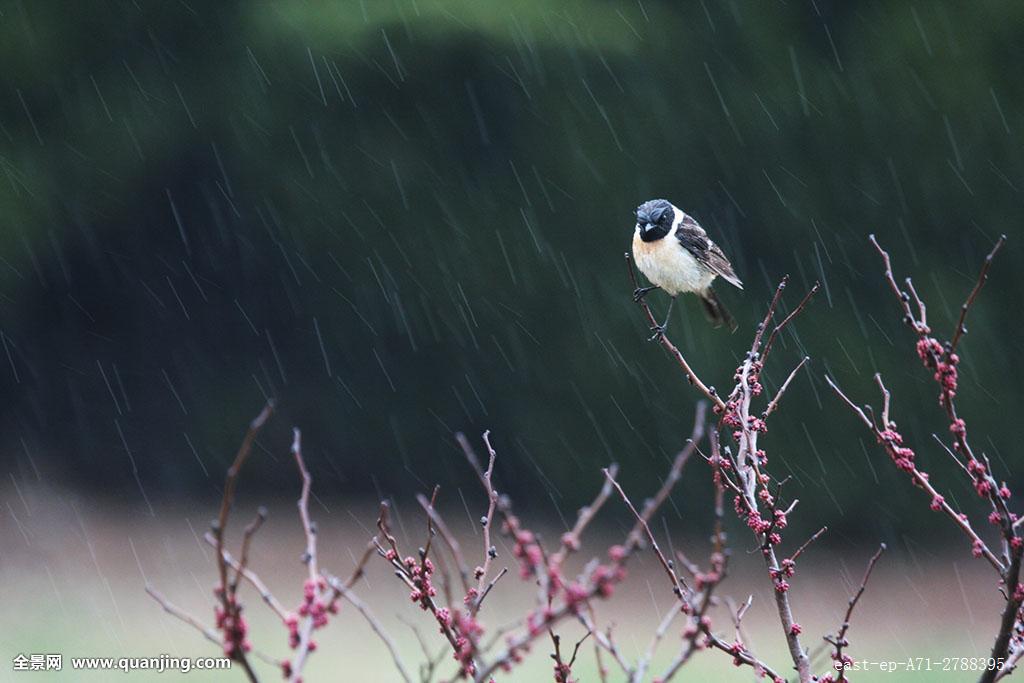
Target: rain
(401,222)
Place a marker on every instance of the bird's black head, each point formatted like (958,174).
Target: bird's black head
(654,219)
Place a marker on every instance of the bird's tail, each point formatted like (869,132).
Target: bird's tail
(716,310)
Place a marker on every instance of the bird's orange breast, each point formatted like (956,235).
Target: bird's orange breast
(668,265)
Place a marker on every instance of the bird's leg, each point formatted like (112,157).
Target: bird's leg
(640,292)
(659,330)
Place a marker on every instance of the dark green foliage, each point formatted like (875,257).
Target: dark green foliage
(450,203)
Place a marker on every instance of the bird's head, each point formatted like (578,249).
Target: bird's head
(654,219)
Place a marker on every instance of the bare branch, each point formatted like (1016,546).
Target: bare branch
(228,499)
(840,640)
(776,298)
(645,661)
(812,539)
(678,587)
(490,586)
(675,473)
(916,322)
(744,656)
(309,558)
(234,637)
(250,530)
(253,578)
(886,400)
(788,319)
(487,522)
(672,349)
(982,278)
(571,539)
(184,616)
(923,482)
(774,404)
(389,643)
(449,539)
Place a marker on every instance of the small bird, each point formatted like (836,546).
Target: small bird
(676,255)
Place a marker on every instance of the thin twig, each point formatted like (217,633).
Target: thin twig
(840,640)
(252,577)
(774,404)
(404,573)
(776,298)
(490,586)
(744,656)
(922,310)
(645,661)
(982,278)
(309,558)
(361,606)
(886,400)
(228,499)
(603,641)
(553,615)
(678,587)
(809,541)
(563,669)
(923,482)
(229,605)
(953,455)
(449,539)
(942,360)
(430,521)
(250,531)
(184,616)
(788,319)
(492,503)
(675,473)
(671,348)
(571,539)
(916,322)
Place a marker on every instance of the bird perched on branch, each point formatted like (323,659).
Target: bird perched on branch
(676,255)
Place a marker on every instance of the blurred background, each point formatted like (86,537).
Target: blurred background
(406,218)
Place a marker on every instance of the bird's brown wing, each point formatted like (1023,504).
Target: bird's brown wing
(693,238)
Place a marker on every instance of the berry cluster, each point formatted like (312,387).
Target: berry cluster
(312,606)
(232,625)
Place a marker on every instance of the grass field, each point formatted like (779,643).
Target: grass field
(72,573)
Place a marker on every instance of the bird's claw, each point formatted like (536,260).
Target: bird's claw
(640,292)
(659,332)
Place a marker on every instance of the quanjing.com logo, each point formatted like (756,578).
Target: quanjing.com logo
(38,662)
(160,664)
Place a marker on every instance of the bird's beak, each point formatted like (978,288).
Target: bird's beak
(648,226)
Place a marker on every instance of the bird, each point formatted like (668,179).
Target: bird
(676,255)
